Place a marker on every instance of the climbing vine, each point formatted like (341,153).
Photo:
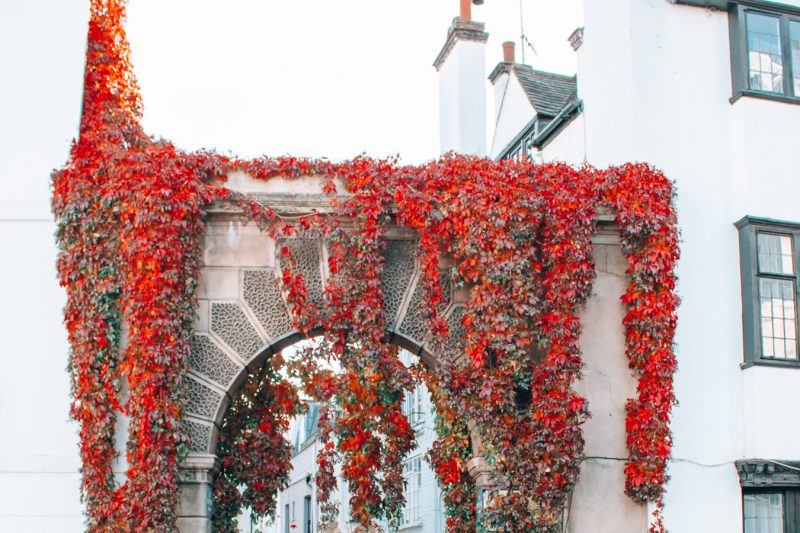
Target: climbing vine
(131,213)
(253,451)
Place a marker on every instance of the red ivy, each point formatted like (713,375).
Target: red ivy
(254,453)
(130,212)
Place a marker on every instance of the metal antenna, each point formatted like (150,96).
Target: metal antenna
(522,37)
(521,32)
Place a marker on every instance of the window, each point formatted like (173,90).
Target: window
(413,406)
(769,266)
(412,472)
(770,496)
(307,514)
(765,50)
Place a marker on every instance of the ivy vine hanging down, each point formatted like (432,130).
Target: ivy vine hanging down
(131,212)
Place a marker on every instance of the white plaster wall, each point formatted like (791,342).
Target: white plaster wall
(42,47)
(655,80)
(568,146)
(513,111)
(462,99)
(303,464)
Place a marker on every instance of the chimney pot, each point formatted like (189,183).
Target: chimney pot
(509,52)
(466,10)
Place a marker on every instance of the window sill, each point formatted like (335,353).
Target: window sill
(764,96)
(775,363)
(412,525)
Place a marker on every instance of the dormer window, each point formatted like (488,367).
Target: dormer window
(765,52)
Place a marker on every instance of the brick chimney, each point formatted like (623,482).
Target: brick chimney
(509,52)
(462,85)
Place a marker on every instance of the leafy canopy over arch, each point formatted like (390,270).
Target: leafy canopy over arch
(130,212)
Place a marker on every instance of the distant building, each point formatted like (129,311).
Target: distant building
(423,512)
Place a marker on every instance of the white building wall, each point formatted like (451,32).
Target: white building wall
(512,109)
(655,81)
(42,50)
(462,99)
(568,146)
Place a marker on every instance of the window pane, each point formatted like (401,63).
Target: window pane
(763,513)
(778,322)
(794,38)
(412,472)
(775,254)
(764,53)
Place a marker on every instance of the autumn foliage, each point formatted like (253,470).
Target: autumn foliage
(130,214)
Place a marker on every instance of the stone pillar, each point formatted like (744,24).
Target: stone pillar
(599,503)
(196,480)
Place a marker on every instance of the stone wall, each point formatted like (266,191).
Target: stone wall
(243,319)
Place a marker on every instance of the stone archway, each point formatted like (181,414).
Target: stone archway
(243,319)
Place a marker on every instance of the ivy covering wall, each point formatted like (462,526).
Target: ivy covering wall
(131,212)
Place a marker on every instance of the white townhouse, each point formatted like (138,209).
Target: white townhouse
(709,92)
(297,504)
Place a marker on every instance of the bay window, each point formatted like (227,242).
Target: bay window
(768,251)
(765,50)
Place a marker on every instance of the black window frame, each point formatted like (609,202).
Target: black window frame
(740,68)
(749,229)
(765,476)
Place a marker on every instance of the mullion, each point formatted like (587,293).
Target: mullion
(790,65)
(788,80)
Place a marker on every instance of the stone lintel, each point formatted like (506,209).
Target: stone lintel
(461,30)
(768,473)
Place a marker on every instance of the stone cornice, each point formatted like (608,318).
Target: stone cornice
(768,473)
(504,67)
(461,30)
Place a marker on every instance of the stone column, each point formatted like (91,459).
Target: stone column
(196,480)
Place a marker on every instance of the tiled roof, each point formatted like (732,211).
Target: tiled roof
(548,93)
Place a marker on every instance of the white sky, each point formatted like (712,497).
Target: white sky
(329,78)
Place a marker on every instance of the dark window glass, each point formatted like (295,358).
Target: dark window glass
(770,284)
(763,512)
(794,44)
(764,52)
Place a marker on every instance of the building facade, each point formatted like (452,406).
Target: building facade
(423,512)
(709,92)
(706,90)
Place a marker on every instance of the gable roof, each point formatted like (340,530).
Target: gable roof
(548,93)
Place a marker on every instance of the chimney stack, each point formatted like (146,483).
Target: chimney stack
(509,52)
(466,10)
(462,85)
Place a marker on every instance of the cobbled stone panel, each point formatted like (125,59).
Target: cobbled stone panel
(414,324)
(207,359)
(262,293)
(307,254)
(199,436)
(203,400)
(229,322)
(397,276)
(455,344)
